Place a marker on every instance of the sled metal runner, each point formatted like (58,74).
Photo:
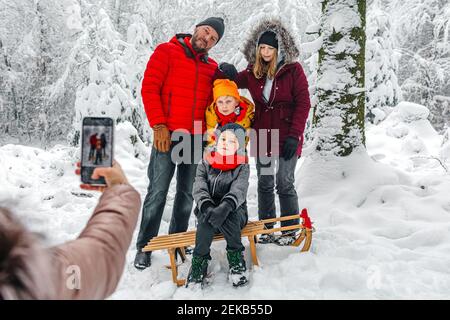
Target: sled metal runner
(176,242)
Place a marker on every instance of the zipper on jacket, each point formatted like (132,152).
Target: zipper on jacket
(214,185)
(195,92)
(274,94)
(194,57)
(274,85)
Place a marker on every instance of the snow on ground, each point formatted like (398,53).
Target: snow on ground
(382,219)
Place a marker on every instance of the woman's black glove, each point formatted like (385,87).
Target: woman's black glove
(219,214)
(289,148)
(205,212)
(228,70)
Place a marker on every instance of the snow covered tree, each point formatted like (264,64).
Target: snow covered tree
(14,24)
(115,68)
(8,94)
(52,48)
(33,53)
(48,47)
(34,65)
(382,89)
(422,32)
(339,116)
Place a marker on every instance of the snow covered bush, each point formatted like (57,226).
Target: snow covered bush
(382,89)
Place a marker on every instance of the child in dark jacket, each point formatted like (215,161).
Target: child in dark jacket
(220,191)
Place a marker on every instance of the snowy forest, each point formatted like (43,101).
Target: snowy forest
(62,60)
(382,216)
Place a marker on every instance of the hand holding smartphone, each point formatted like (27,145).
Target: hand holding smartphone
(96,148)
(113,176)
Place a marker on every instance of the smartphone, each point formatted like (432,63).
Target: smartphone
(96,147)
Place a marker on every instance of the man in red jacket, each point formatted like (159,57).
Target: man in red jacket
(176,90)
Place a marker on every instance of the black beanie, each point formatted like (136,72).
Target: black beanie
(269,38)
(238,131)
(216,23)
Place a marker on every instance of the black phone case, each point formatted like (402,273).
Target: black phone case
(86,172)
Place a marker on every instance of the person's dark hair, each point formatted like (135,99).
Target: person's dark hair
(21,260)
(216,23)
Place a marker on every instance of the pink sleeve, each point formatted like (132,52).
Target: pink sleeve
(96,258)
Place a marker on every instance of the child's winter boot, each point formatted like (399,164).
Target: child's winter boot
(266,238)
(287,238)
(238,271)
(198,270)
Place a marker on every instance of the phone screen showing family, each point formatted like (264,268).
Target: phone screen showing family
(97,146)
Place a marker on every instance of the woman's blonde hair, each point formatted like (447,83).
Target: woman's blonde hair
(261,68)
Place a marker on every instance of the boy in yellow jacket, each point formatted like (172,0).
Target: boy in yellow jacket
(228,107)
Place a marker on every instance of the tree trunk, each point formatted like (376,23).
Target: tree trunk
(339,118)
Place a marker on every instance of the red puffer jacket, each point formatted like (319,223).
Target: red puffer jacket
(177,85)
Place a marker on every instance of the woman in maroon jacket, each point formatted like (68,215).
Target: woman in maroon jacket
(279,89)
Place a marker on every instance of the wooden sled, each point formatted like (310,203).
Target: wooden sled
(175,243)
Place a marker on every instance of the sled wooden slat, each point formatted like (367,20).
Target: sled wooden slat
(180,234)
(251,226)
(179,240)
(286,218)
(176,242)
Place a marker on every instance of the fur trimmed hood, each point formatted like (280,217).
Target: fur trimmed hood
(286,44)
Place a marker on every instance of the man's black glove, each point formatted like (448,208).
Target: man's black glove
(228,70)
(205,212)
(289,148)
(219,214)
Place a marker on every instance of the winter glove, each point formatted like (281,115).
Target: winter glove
(205,212)
(161,138)
(219,214)
(228,70)
(289,148)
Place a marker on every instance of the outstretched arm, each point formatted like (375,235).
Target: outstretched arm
(91,266)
